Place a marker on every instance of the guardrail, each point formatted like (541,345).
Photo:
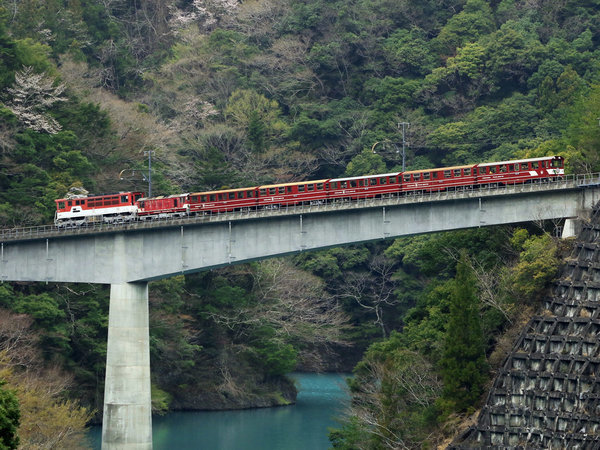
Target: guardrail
(46,231)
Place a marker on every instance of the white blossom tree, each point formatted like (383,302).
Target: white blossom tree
(30,97)
(206,13)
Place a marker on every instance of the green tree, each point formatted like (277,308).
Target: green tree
(538,264)
(10,416)
(463,364)
(365,163)
(473,21)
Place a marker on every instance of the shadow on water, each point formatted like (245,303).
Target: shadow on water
(305,425)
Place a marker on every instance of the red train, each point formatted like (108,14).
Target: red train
(128,206)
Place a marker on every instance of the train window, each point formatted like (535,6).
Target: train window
(61,205)
(383,180)
(343,184)
(203,198)
(123,199)
(231,196)
(457,172)
(406,177)
(555,163)
(447,173)
(524,166)
(310,187)
(301,188)
(70,203)
(333,185)
(417,176)
(263,192)
(289,189)
(250,194)
(272,191)
(281,190)
(212,197)
(142,205)
(503,168)
(392,180)
(493,169)
(320,186)
(373,182)
(426,176)
(361,183)
(467,172)
(353,183)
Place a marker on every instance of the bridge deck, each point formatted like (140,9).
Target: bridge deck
(52,231)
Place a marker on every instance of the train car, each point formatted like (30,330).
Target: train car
(222,201)
(520,171)
(435,180)
(110,208)
(368,186)
(287,194)
(163,207)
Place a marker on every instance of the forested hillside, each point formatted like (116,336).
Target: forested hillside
(230,93)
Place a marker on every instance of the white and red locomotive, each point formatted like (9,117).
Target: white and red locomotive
(128,206)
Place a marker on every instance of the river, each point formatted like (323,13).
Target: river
(321,398)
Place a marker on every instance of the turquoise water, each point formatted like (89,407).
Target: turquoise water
(302,426)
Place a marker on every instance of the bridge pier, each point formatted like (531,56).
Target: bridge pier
(127,422)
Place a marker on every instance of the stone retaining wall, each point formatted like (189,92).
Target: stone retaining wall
(547,393)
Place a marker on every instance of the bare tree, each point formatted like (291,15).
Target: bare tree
(389,394)
(294,304)
(373,290)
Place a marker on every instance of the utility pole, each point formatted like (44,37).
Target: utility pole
(404,143)
(149,153)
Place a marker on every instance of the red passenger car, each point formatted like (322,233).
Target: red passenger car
(287,194)
(222,201)
(442,179)
(521,171)
(368,186)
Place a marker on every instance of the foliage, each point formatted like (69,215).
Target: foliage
(463,363)
(10,416)
(538,264)
(393,390)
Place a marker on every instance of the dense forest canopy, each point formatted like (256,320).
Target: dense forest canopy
(231,93)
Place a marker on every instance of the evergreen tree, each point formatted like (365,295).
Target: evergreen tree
(463,362)
(10,416)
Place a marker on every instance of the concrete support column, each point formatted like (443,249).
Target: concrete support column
(127,422)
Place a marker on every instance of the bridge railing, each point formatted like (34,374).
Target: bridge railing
(45,231)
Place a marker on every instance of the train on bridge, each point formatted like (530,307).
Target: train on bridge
(80,210)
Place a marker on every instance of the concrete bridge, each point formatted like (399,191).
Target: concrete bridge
(129,256)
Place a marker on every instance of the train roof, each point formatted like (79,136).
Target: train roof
(163,196)
(220,191)
(266,186)
(112,194)
(513,161)
(362,177)
(467,166)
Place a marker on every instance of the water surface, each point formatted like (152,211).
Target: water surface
(321,398)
